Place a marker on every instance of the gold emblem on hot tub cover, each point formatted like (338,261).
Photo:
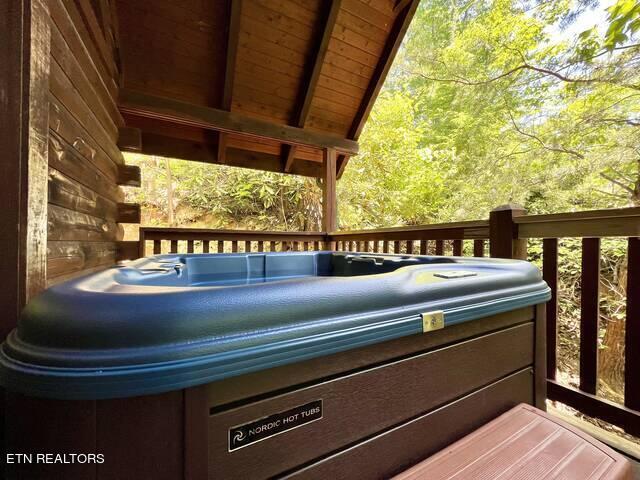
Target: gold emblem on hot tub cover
(432,321)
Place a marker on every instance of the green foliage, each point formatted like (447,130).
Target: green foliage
(624,20)
(504,109)
(225,197)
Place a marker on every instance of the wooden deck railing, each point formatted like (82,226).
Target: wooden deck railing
(437,239)
(504,235)
(591,227)
(192,240)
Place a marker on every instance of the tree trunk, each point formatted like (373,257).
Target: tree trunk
(635,197)
(611,356)
(170,212)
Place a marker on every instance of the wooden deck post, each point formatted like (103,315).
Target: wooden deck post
(25,37)
(24,80)
(329,206)
(503,233)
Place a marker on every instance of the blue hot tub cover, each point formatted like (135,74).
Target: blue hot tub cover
(172,321)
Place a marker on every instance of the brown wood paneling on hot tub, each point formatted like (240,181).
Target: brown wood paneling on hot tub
(364,403)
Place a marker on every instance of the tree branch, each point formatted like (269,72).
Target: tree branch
(545,71)
(541,142)
(633,123)
(616,195)
(617,182)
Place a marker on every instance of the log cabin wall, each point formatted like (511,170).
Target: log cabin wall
(85,164)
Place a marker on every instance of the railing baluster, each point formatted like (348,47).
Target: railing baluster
(247,246)
(295,246)
(632,328)
(439,247)
(272,246)
(376,246)
(385,246)
(220,246)
(457,248)
(396,246)
(205,246)
(260,245)
(234,246)
(174,246)
(423,247)
(157,247)
(589,313)
(550,275)
(478,248)
(189,246)
(305,246)
(409,247)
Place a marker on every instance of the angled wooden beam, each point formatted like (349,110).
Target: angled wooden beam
(400,5)
(400,26)
(340,164)
(308,90)
(406,10)
(233,38)
(289,155)
(182,113)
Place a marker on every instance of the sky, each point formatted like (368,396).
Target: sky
(590,18)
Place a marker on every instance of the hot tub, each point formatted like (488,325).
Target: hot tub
(259,365)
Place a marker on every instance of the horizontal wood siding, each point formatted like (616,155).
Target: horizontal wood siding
(84,200)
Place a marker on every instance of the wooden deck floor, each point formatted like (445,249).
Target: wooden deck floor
(622,445)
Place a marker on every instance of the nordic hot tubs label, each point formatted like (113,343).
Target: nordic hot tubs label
(263,428)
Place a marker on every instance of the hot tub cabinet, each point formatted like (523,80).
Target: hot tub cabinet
(295,365)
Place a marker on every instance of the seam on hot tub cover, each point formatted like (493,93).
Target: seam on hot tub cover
(95,337)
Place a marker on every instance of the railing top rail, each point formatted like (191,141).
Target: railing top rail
(225,231)
(444,231)
(586,215)
(623,222)
(620,222)
(164,233)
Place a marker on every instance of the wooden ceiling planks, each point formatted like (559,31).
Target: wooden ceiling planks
(174,49)
(314,65)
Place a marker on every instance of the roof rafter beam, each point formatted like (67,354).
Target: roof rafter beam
(158,144)
(308,90)
(183,113)
(400,5)
(233,38)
